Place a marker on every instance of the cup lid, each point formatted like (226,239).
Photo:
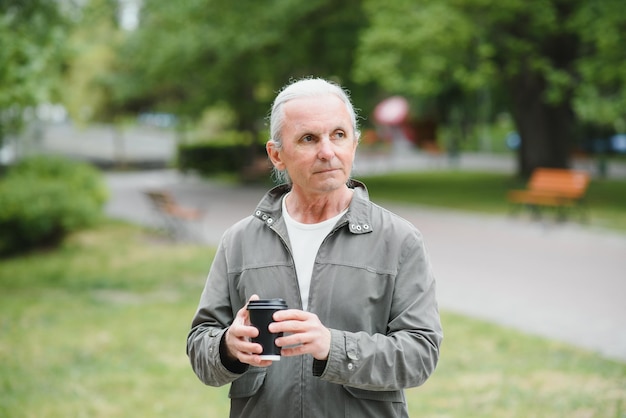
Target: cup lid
(268,303)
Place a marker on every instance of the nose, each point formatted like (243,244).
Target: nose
(325,151)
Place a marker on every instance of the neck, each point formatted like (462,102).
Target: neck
(314,209)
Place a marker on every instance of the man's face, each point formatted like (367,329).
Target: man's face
(318,144)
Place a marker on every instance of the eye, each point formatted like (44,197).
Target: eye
(307,138)
(340,134)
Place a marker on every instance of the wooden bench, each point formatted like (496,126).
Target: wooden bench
(560,189)
(175,218)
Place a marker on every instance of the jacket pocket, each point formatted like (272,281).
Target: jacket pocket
(248,384)
(371,403)
(375,395)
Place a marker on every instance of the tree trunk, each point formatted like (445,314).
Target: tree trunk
(545,129)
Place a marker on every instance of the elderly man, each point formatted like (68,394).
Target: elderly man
(363,322)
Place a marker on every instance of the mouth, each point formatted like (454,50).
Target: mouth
(326,170)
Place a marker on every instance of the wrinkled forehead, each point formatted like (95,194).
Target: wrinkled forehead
(321,111)
(320,104)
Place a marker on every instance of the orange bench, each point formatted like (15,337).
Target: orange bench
(557,188)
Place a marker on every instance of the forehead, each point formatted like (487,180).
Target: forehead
(316,112)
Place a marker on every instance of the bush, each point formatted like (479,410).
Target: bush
(42,199)
(208,159)
(228,154)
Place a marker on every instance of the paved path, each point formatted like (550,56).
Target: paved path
(565,281)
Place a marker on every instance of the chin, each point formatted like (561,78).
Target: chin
(331,185)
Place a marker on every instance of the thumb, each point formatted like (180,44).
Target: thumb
(244,310)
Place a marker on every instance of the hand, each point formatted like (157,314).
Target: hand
(238,342)
(306,334)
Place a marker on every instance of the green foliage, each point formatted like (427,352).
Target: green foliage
(543,61)
(429,48)
(189,55)
(419,48)
(226,154)
(601,96)
(91,63)
(42,199)
(32,52)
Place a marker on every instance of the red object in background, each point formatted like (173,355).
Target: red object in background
(392,111)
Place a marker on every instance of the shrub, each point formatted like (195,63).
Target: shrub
(229,154)
(42,199)
(208,159)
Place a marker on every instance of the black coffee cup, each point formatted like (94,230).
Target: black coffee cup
(261,312)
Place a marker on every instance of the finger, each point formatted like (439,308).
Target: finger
(286,326)
(295,351)
(244,313)
(292,314)
(318,348)
(316,341)
(293,320)
(245,347)
(238,341)
(244,331)
(294,340)
(249,353)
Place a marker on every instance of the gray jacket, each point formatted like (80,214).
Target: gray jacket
(372,286)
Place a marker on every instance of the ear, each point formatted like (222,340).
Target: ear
(274,155)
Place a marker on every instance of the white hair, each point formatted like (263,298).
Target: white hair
(307,87)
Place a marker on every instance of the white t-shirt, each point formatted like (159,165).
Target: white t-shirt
(305,243)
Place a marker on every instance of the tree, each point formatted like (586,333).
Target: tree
(601,94)
(553,63)
(32,53)
(186,56)
(92,58)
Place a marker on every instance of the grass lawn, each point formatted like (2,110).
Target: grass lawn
(486,193)
(97,328)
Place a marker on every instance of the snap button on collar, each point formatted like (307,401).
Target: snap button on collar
(359,228)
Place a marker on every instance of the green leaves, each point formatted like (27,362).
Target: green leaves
(42,199)
(426,48)
(601,95)
(189,55)
(32,50)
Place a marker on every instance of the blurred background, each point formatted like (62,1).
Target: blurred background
(542,79)
(102,101)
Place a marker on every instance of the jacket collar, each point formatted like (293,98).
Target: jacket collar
(269,209)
